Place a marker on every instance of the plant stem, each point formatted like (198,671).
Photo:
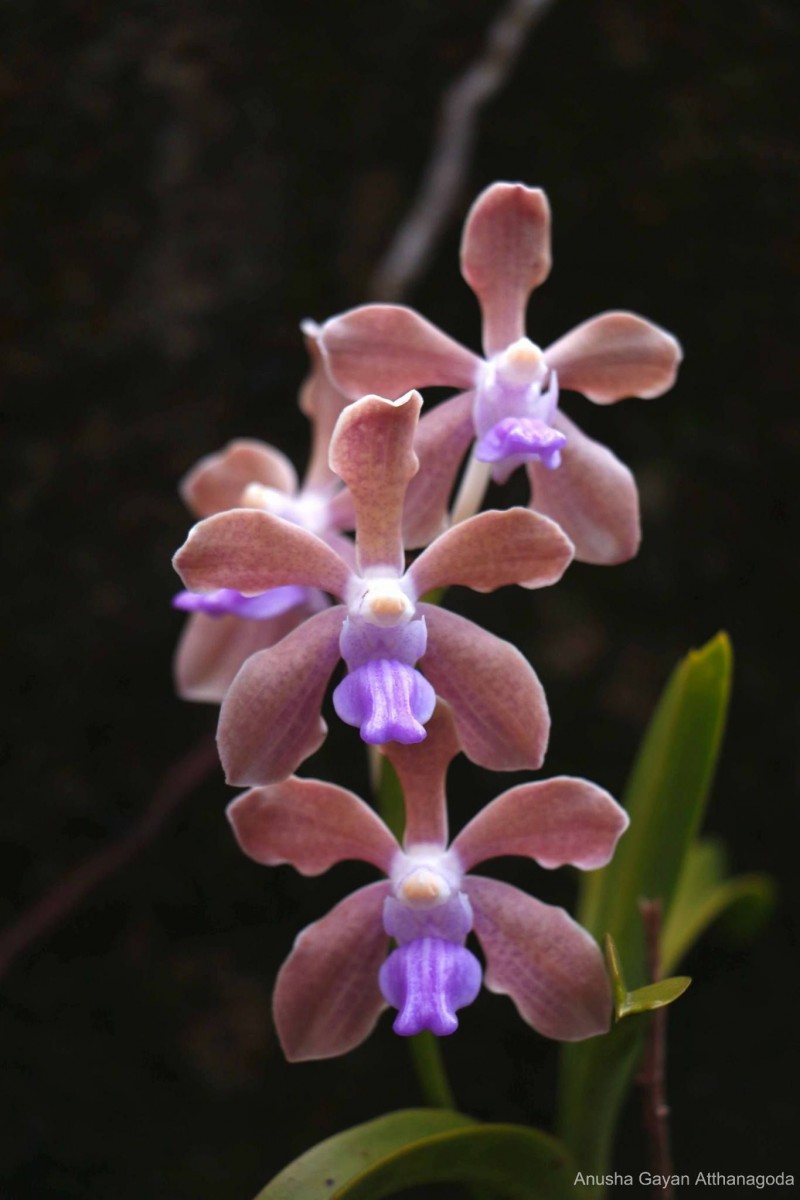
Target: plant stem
(652,1078)
(429,1065)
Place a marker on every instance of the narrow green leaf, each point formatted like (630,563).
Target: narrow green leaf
(643,999)
(422,1146)
(665,798)
(704,895)
(654,995)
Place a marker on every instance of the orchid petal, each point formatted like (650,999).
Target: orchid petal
(443,437)
(592,496)
(614,355)
(505,254)
(422,771)
(212,649)
(494,549)
(327,998)
(393,349)
(252,550)
(556,822)
(311,825)
(498,703)
(270,719)
(216,483)
(536,954)
(322,403)
(371,451)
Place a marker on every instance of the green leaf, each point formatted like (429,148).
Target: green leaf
(643,999)
(665,798)
(424,1146)
(704,895)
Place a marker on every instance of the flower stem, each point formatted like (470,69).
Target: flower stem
(652,1078)
(429,1065)
(473,487)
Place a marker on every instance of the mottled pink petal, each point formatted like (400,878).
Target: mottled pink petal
(499,704)
(443,437)
(327,998)
(557,822)
(615,355)
(372,452)
(494,549)
(322,403)
(251,551)
(592,496)
(392,349)
(216,483)
(505,254)
(212,649)
(270,719)
(536,954)
(311,825)
(422,771)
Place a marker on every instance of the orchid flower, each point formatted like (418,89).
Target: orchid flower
(337,979)
(509,399)
(270,719)
(226,627)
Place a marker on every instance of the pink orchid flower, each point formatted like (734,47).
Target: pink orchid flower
(510,397)
(270,719)
(226,627)
(337,979)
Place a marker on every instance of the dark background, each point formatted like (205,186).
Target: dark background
(184,183)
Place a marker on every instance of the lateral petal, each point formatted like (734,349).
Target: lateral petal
(217,481)
(556,822)
(494,549)
(251,551)
(614,355)
(372,452)
(270,718)
(311,825)
(498,702)
(505,254)
(536,954)
(422,771)
(327,998)
(443,437)
(592,496)
(393,349)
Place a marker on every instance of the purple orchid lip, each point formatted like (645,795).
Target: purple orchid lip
(226,602)
(427,981)
(388,700)
(526,437)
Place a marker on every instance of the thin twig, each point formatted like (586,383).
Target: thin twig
(652,1078)
(449,160)
(178,782)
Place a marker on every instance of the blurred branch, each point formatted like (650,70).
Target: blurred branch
(178,782)
(652,1078)
(450,156)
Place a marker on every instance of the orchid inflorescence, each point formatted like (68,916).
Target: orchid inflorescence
(279,593)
